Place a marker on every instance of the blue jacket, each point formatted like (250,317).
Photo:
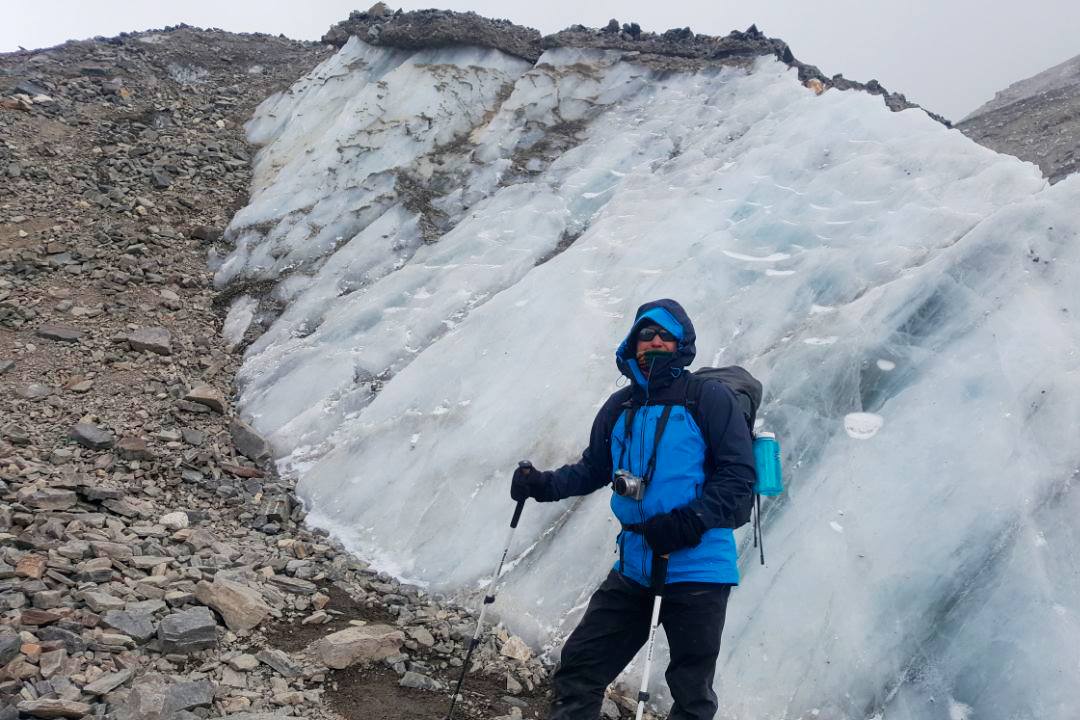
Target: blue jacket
(704,464)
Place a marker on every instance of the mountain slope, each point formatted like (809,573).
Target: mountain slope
(1037,119)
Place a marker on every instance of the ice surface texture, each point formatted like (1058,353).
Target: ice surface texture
(459,240)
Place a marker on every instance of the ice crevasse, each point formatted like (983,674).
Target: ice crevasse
(443,248)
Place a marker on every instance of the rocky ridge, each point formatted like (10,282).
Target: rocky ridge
(152,563)
(674,49)
(1037,119)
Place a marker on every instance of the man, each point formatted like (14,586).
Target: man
(690,445)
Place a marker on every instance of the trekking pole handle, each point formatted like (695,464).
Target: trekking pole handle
(659,573)
(526,467)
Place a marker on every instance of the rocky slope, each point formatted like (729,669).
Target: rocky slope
(1037,119)
(152,564)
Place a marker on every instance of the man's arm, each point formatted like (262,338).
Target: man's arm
(593,471)
(728,494)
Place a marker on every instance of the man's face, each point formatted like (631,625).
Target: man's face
(655,338)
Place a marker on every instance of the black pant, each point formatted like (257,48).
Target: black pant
(616,625)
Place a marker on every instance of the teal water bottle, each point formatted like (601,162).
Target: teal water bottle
(767,461)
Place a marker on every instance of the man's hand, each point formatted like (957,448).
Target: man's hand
(676,530)
(528,482)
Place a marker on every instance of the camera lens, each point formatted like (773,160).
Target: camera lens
(619,485)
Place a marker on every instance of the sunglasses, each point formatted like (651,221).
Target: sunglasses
(647,334)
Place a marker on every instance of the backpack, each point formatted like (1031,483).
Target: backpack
(746,387)
(748,393)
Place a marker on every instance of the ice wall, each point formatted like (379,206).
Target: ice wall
(456,240)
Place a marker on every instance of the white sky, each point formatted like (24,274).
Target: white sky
(948,55)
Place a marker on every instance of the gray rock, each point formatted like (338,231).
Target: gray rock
(363,644)
(132,447)
(279,661)
(9,648)
(294,585)
(52,499)
(146,607)
(193,437)
(241,607)
(101,602)
(6,365)
(156,697)
(421,635)
(417,680)
(115,551)
(137,625)
(98,493)
(15,434)
(188,695)
(207,396)
(248,442)
(63,333)
(160,179)
(108,683)
(72,642)
(152,339)
(33,391)
(92,436)
(245,662)
(48,599)
(98,570)
(188,631)
(54,708)
(146,701)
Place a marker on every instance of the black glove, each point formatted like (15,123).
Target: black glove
(528,482)
(675,530)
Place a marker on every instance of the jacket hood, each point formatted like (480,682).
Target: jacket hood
(669,315)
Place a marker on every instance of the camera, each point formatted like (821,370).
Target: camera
(627,484)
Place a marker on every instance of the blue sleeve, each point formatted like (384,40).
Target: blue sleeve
(727,496)
(594,469)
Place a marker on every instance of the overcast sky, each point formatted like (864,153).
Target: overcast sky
(948,55)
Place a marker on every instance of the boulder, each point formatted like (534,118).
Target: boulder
(92,436)
(140,626)
(241,607)
(248,442)
(156,697)
(207,396)
(52,499)
(132,447)
(364,645)
(54,708)
(417,680)
(151,339)
(9,648)
(62,333)
(516,649)
(174,520)
(188,631)
(279,661)
(107,683)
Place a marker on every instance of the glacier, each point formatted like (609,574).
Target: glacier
(443,247)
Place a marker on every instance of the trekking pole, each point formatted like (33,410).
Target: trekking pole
(659,575)
(489,596)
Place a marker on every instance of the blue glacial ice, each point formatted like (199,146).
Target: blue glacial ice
(449,244)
